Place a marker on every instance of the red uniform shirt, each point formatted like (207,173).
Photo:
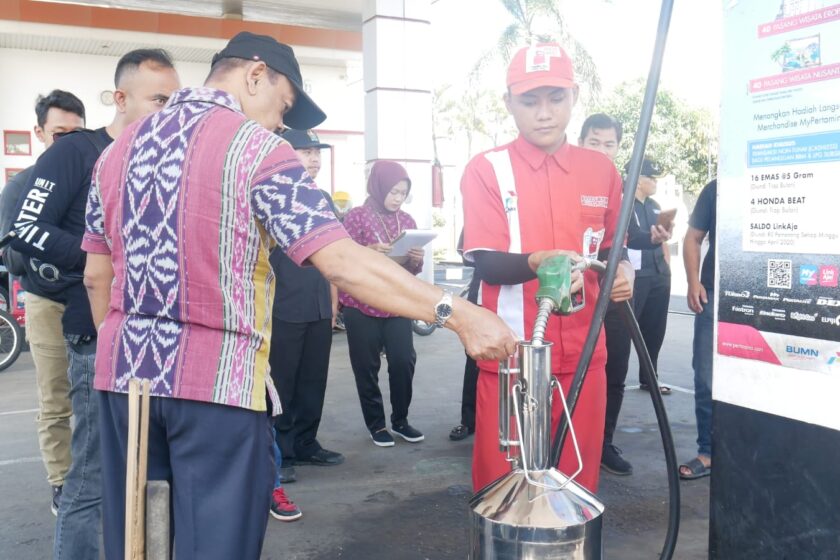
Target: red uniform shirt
(567,200)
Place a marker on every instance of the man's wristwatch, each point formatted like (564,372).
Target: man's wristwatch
(443,309)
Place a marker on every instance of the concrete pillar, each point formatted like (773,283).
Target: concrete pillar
(398,98)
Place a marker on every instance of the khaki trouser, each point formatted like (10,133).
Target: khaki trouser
(46,343)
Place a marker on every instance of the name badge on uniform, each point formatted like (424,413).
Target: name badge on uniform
(592,242)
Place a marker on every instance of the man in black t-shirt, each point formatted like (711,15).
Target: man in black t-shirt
(50,224)
(701,286)
(57,113)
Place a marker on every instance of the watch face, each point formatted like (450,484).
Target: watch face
(444,310)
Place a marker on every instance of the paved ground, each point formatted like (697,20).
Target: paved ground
(406,502)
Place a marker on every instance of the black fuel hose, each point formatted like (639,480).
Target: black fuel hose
(649,375)
(628,196)
(616,248)
(608,278)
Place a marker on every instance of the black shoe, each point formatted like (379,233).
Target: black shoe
(322,458)
(56,499)
(287,475)
(460,432)
(613,462)
(383,438)
(408,433)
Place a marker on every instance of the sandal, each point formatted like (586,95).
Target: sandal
(663,389)
(460,432)
(696,469)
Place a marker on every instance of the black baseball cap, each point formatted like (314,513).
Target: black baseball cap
(649,169)
(304,113)
(302,139)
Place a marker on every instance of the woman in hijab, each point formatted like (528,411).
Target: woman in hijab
(377,224)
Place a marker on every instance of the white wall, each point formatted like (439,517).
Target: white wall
(32,73)
(342,98)
(349,155)
(29,73)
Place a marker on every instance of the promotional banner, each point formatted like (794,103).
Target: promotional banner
(779,184)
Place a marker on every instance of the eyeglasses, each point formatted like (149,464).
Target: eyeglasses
(57,135)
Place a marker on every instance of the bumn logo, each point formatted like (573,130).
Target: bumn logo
(802,351)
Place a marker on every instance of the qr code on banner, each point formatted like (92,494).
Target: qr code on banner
(779,273)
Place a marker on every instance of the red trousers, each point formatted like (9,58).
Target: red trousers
(489,463)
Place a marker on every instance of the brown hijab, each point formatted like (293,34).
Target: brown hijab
(383,176)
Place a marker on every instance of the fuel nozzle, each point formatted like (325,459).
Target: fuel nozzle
(555,292)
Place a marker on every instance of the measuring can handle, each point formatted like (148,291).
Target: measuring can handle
(556,385)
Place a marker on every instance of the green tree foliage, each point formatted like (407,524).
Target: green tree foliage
(683,139)
(477,114)
(543,21)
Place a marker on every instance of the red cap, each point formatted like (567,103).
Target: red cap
(544,64)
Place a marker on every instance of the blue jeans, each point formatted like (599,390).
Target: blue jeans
(80,513)
(278,457)
(702,363)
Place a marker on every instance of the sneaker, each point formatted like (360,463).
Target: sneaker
(408,433)
(382,438)
(322,458)
(613,462)
(56,499)
(287,474)
(461,431)
(282,507)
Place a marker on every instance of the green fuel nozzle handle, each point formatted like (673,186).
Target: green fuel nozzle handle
(555,292)
(555,277)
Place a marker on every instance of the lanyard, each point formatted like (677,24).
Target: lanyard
(385,228)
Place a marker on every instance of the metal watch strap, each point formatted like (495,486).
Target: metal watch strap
(441,316)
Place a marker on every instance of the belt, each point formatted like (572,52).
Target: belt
(80,339)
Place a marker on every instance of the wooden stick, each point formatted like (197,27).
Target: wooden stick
(131,467)
(143,452)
